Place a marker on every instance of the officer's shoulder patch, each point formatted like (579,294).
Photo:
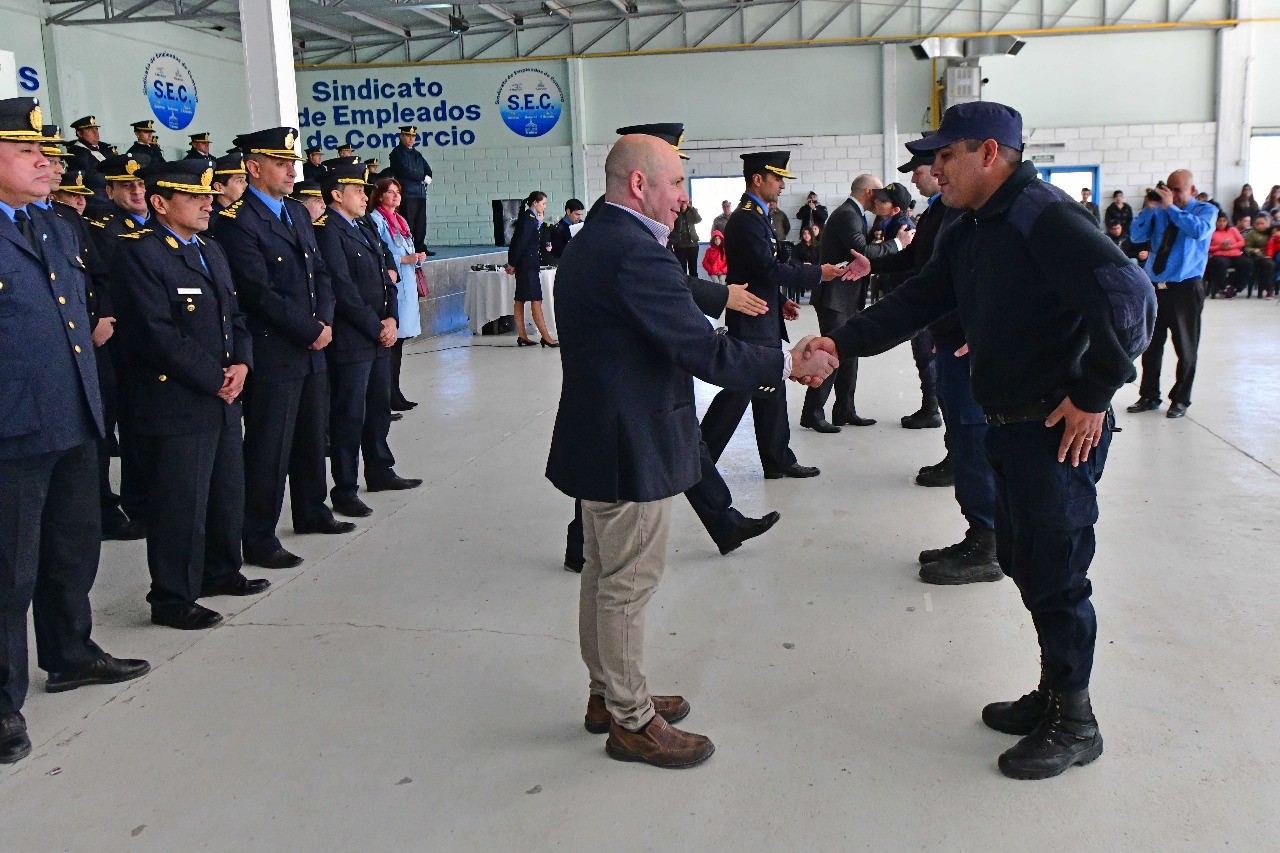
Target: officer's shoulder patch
(232,209)
(324,218)
(96,224)
(134,235)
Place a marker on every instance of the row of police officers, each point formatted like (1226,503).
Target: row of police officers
(236,349)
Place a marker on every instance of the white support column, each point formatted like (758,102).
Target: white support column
(889,112)
(267,34)
(1233,110)
(578,128)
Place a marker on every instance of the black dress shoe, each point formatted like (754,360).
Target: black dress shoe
(352,508)
(428,252)
(277,559)
(237,584)
(328,525)
(105,670)
(1144,404)
(191,617)
(750,529)
(394,483)
(852,419)
(118,526)
(396,416)
(14,743)
(1176,410)
(819,424)
(402,405)
(796,470)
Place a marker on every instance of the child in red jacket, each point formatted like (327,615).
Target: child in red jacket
(714,261)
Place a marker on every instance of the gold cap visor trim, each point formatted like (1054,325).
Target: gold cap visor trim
(189,189)
(27,136)
(782,173)
(74,190)
(279,153)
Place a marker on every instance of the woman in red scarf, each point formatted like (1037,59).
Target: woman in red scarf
(394,231)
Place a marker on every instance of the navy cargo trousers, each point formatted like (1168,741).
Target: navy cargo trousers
(1045,513)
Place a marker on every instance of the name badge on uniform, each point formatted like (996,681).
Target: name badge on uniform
(190,291)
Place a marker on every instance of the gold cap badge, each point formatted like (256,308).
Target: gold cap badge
(206,178)
(289,139)
(36,118)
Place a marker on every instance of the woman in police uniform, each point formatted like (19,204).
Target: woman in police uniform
(523,263)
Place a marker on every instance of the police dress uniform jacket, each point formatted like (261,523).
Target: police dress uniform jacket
(631,341)
(146,154)
(312,171)
(49,397)
(409,167)
(523,251)
(88,158)
(181,325)
(282,284)
(846,230)
(751,252)
(97,274)
(1050,306)
(107,228)
(364,294)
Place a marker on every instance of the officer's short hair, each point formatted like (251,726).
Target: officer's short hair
(1012,156)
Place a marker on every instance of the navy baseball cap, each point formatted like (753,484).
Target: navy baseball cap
(979,120)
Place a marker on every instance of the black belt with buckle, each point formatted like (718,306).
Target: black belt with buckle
(1037,411)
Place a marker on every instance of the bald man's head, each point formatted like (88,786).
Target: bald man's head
(862,188)
(1183,185)
(644,173)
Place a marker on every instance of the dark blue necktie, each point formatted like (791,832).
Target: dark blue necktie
(23,221)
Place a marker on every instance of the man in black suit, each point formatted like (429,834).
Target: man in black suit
(189,352)
(283,286)
(837,301)
(625,437)
(49,426)
(364,330)
(751,251)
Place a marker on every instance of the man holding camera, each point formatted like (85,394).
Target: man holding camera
(812,213)
(1178,228)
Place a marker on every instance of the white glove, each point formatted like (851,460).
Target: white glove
(426,179)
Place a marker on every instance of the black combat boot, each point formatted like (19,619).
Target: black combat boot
(927,418)
(1021,716)
(937,475)
(1068,735)
(973,562)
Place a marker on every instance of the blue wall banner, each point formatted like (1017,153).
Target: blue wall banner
(450,107)
(530,102)
(171,90)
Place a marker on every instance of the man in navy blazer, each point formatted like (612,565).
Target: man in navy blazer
(626,435)
(50,423)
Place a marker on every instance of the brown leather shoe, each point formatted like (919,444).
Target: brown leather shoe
(672,708)
(659,744)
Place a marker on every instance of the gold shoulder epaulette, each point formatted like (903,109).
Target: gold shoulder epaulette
(747,205)
(134,235)
(96,224)
(324,217)
(231,210)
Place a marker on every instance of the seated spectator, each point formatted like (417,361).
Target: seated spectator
(1135,251)
(1226,252)
(1272,204)
(721,221)
(816,230)
(713,260)
(1119,211)
(1245,204)
(1255,248)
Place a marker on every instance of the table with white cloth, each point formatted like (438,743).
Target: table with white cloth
(491,295)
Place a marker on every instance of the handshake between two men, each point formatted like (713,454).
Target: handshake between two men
(812,363)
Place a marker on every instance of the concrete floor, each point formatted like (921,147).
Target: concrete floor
(416,685)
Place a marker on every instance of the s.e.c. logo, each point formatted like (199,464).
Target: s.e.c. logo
(530,102)
(170,89)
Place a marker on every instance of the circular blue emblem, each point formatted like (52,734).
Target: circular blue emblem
(530,102)
(170,89)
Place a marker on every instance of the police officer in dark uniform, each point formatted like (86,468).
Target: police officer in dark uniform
(229,179)
(1055,314)
(58,157)
(412,170)
(308,192)
(87,152)
(284,290)
(145,148)
(751,251)
(200,145)
(49,426)
(364,330)
(312,167)
(127,213)
(189,352)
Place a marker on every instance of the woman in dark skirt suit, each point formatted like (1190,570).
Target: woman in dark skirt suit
(522,262)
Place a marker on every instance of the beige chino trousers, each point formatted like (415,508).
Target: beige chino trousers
(625,548)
